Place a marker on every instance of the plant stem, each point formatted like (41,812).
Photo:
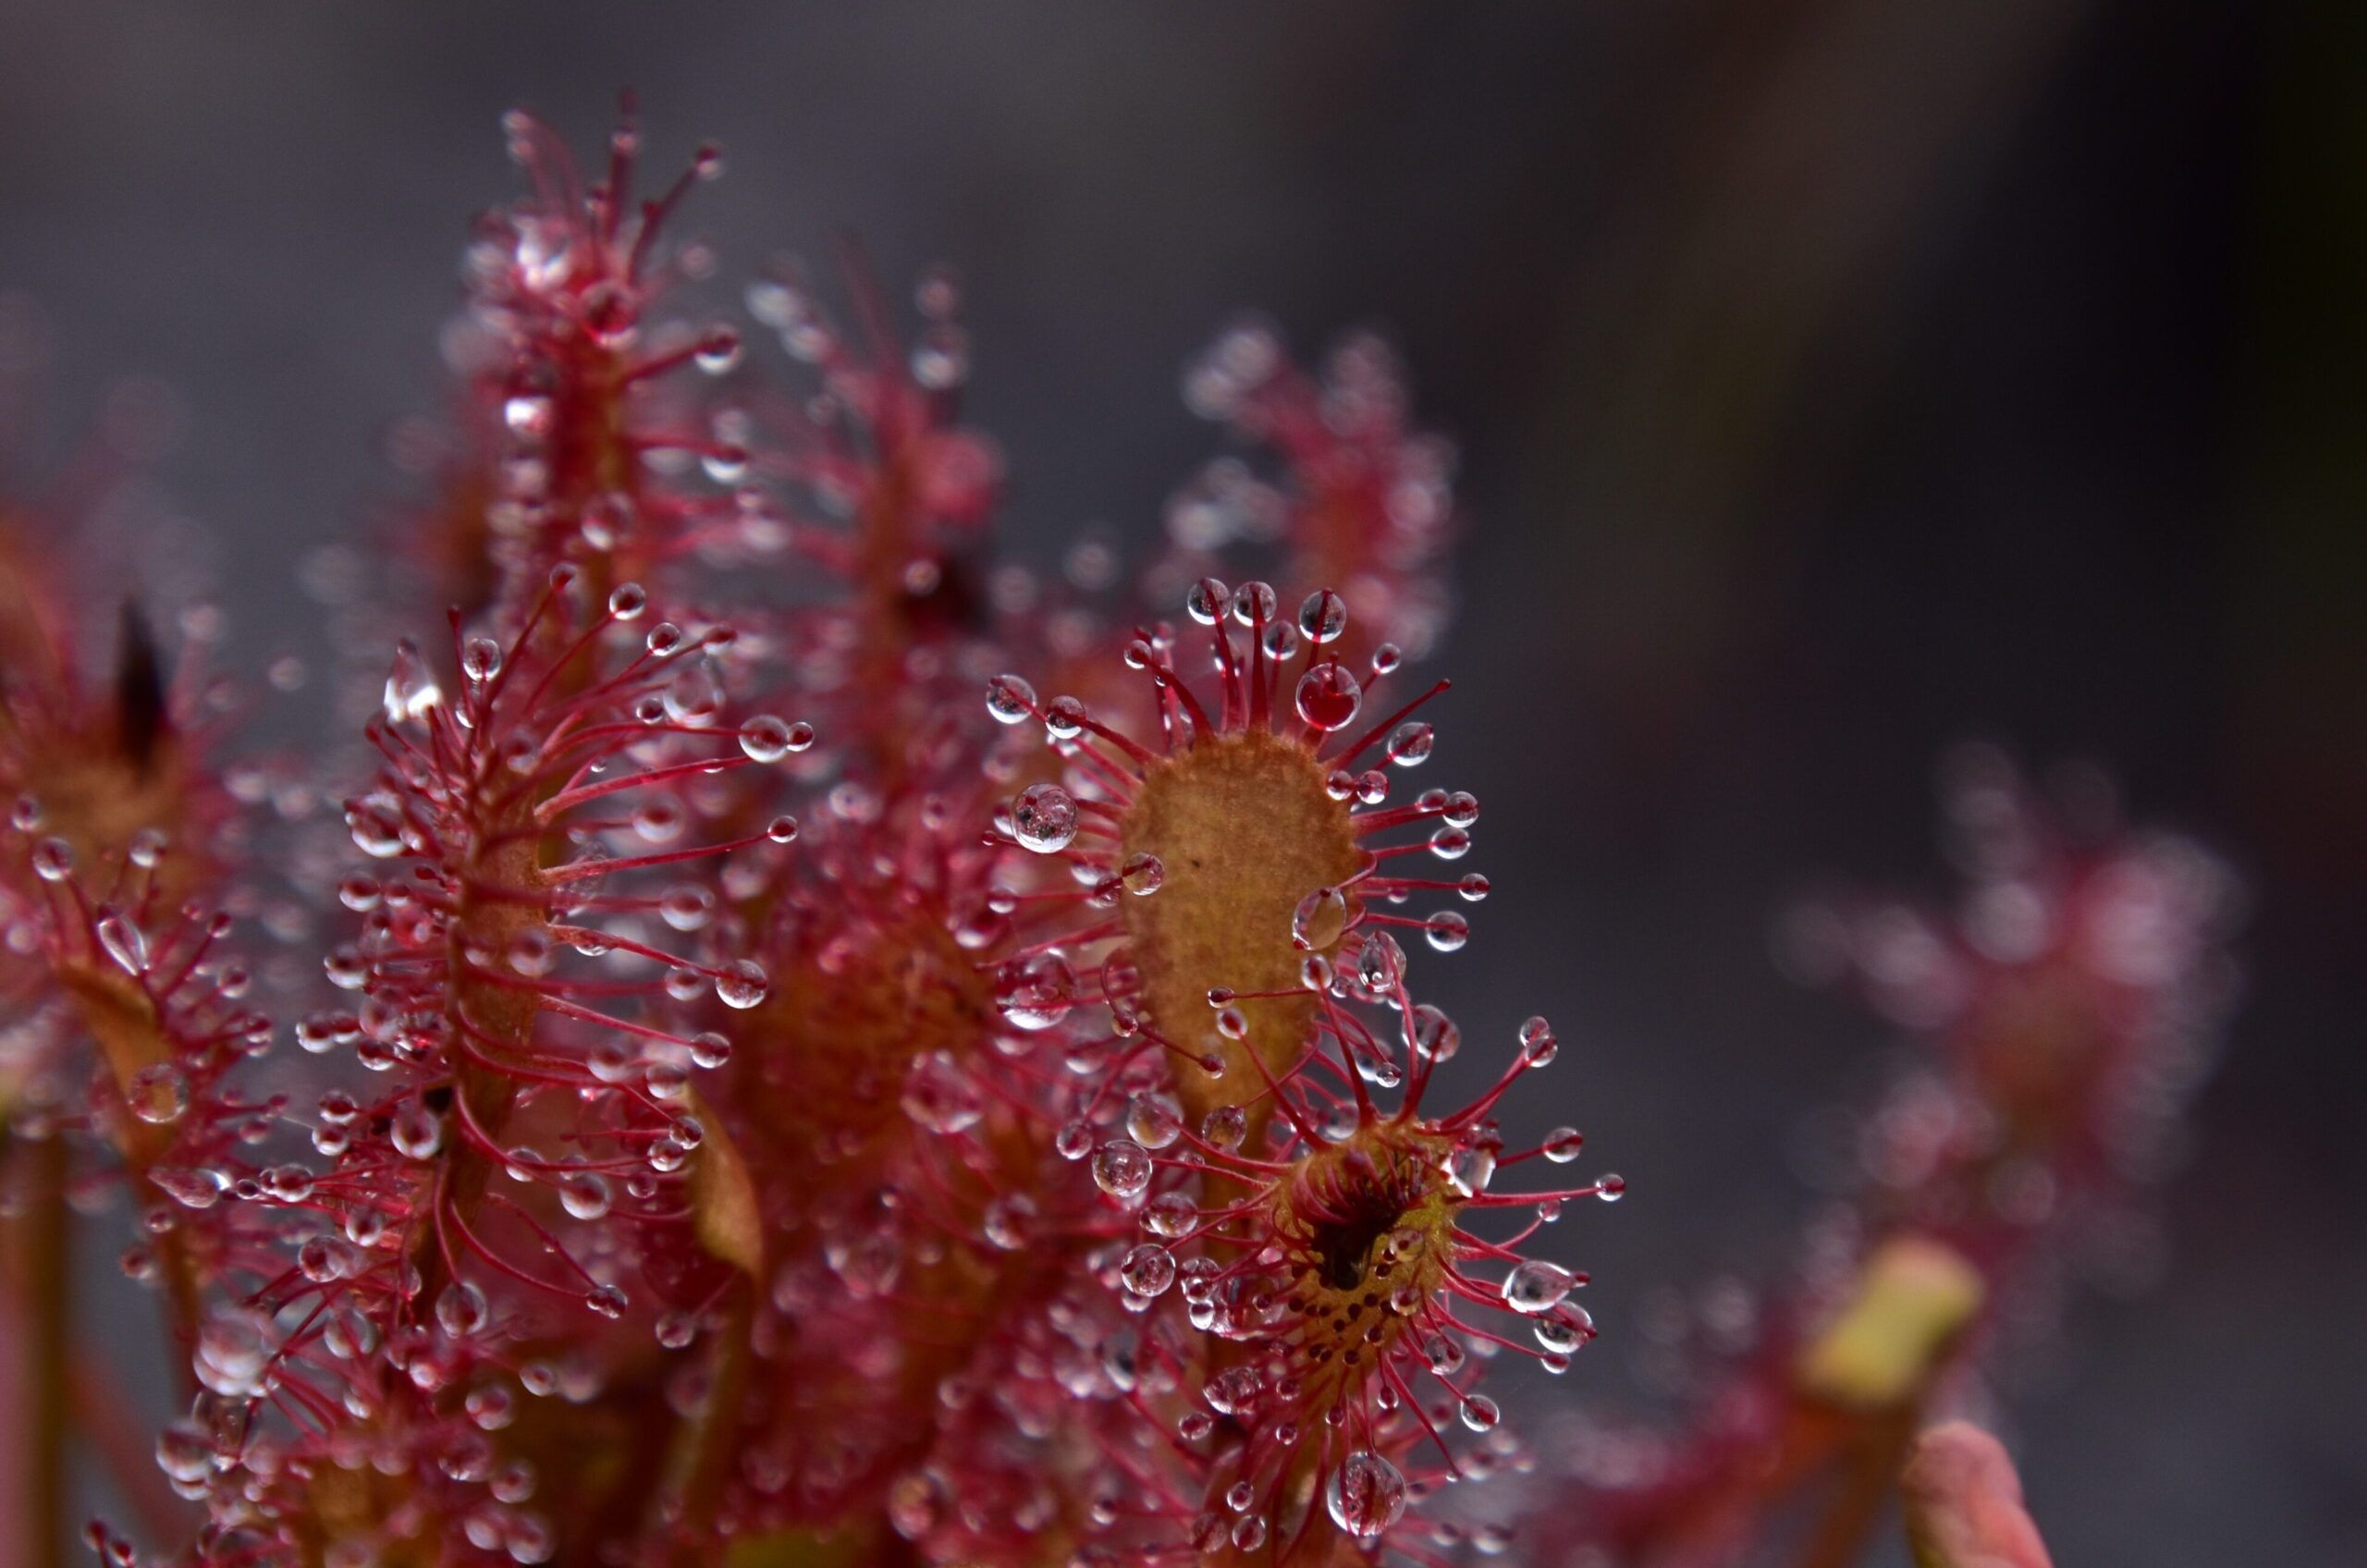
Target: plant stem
(46,1281)
(698,1464)
(123,1443)
(1873,1462)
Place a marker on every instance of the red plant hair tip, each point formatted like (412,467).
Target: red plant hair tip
(575,430)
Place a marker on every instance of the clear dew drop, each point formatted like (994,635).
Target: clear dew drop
(742,984)
(694,697)
(481,659)
(1537,1045)
(185,1452)
(1123,1168)
(1224,1127)
(687,906)
(1148,1269)
(124,942)
(717,350)
(767,738)
(146,849)
(1170,1215)
(1366,1494)
(940,357)
(1536,1287)
(611,1060)
(939,1096)
(417,1132)
(529,415)
(1153,1120)
(460,1311)
(1323,616)
(531,953)
(1447,930)
(1563,1143)
(1380,965)
(234,1350)
(411,690)
(1564,1330)
(1043,818)
(608,520)
(52,860)
(490,1408)
(1470,1167)
(1010,699)
(660,819)
(1007,1221)
(1327,697)
(158,1094)
(1434,1036)
(1409,744)
(1319,920)
(376,827)
(324,1259)
(584,1194)
(192,1186)
(1035,992)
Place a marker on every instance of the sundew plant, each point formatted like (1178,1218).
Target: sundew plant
(818,1045)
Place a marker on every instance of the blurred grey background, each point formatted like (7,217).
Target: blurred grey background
(1835,378)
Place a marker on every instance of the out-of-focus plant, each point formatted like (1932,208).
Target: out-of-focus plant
(1964,1503)
(2061,1013)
